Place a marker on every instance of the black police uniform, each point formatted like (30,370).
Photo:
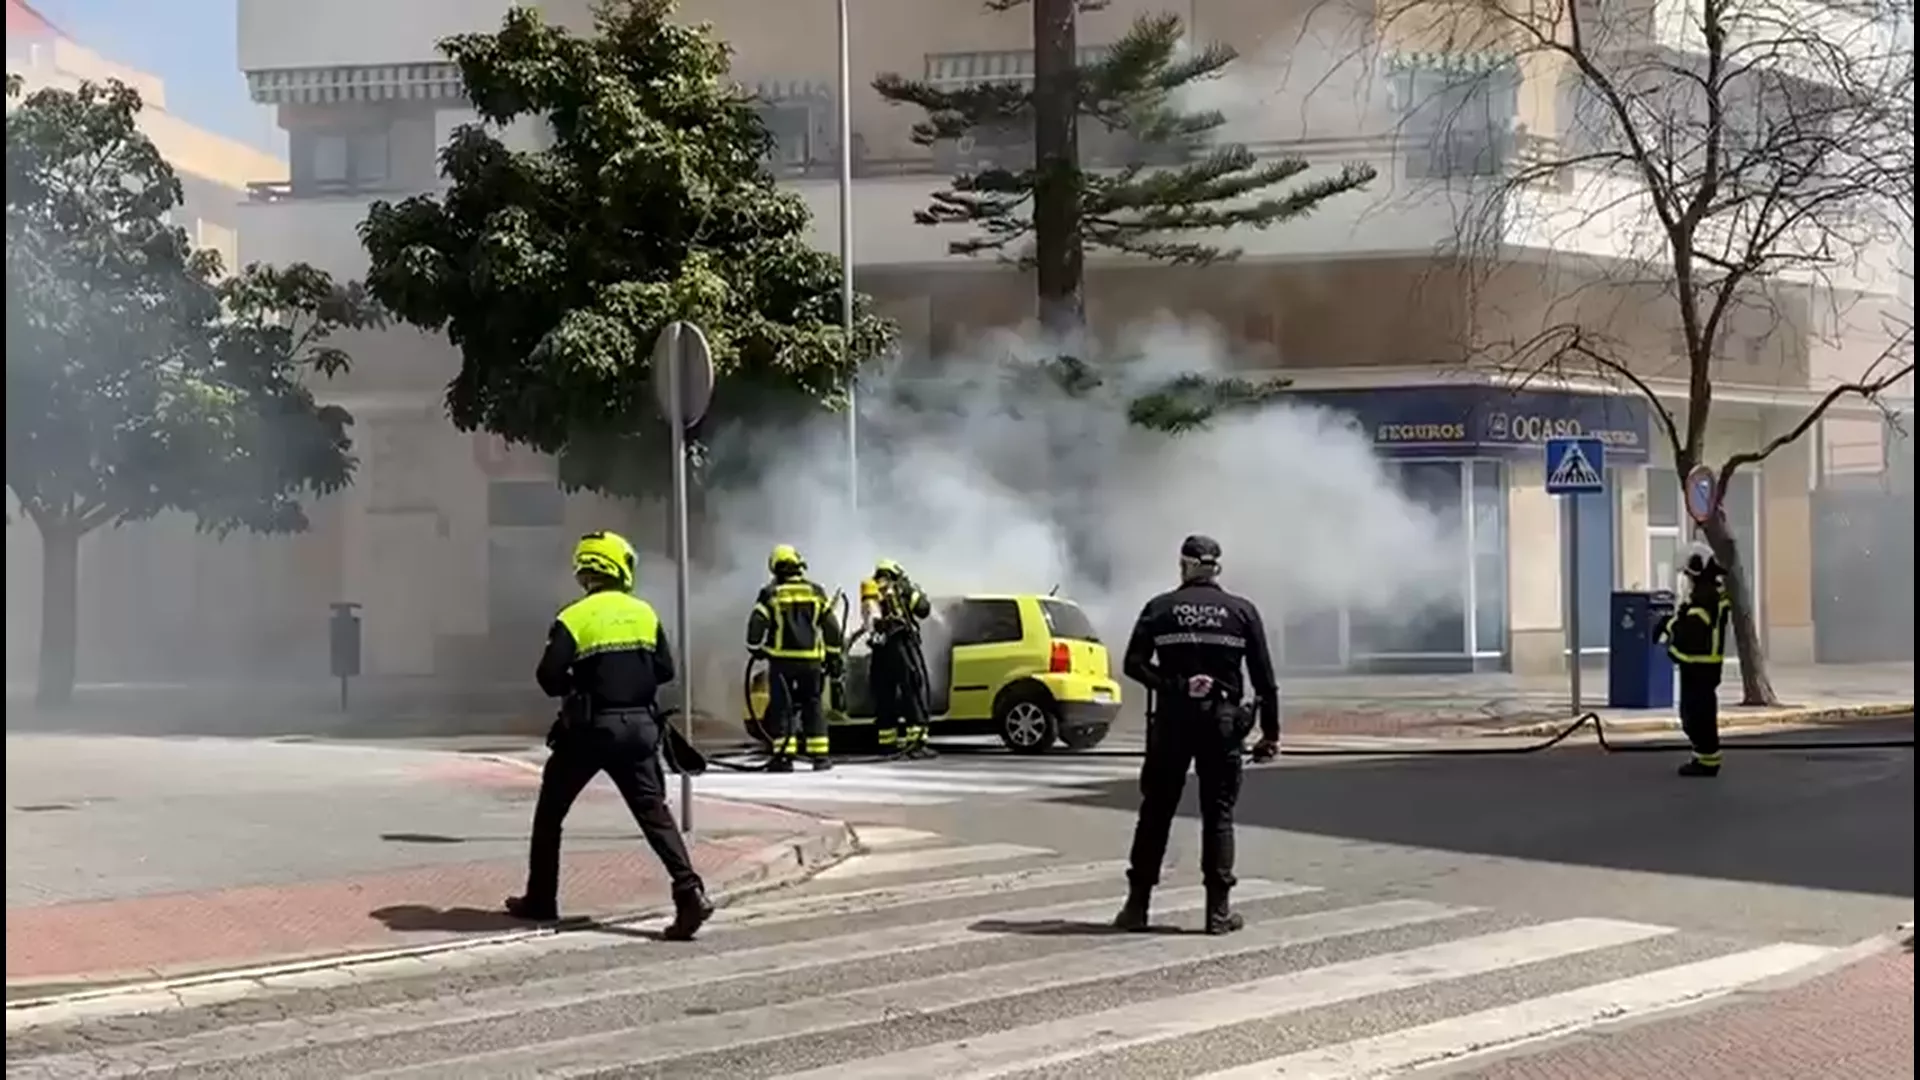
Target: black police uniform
(1696,635)
(1197,629)
(794,627)
(607,657)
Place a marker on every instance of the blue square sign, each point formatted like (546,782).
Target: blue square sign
(1576,466)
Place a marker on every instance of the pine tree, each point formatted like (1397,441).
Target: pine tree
(1171,177)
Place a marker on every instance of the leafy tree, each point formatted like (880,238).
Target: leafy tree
(553,269)
(1172,178)
(139,377)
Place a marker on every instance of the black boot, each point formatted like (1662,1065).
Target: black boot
(1221,918)
(522,907)
(691,910)
(1696,767)
(821,764)
(780,763)
(1133,916)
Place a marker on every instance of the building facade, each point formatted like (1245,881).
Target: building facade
(1351,302)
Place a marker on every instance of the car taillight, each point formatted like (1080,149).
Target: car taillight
(1061,661)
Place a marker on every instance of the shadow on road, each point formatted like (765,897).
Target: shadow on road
(1818,818)
(458,920)
(1066,928)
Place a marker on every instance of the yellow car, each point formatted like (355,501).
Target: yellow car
(1027,668)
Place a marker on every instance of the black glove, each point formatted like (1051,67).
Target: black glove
(1266,750)
(836,667)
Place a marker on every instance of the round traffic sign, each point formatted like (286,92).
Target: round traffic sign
(1703,494)
(682,363)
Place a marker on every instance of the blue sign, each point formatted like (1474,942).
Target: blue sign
(1576,466)
(1702,491)
(1485,421)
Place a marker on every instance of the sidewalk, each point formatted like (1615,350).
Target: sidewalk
(132,859)
(1427,706)
(1852,1024)
(1505,704)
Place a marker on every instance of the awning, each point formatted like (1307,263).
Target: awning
(377,82)
(1451,63)
(789,90)
(1004,65)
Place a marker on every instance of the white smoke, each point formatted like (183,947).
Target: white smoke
(978,479)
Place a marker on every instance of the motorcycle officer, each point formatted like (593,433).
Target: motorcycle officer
(607,658)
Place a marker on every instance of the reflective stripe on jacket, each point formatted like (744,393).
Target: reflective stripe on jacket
(1697,632)
(793,620)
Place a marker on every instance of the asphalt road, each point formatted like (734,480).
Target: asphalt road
(1403,912)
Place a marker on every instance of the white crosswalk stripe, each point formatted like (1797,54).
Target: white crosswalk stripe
(939,782)
(938,971)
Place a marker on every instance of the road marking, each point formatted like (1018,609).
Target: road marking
(900,862)
(1526,1021)
(653,1043)
(883,837)
(663,975)
(1059,1042)
(666,974)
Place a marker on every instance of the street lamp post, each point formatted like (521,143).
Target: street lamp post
(846,261)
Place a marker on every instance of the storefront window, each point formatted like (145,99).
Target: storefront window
(1439,630)
(1489,557)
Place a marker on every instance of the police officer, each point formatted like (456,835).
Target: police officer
(892,607)
(1187,649)
(793,627)
(606,658)
(1696,636)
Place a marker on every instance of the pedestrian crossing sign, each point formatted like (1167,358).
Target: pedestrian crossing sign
(1576,466)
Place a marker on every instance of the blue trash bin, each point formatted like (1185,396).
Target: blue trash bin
(1639,671)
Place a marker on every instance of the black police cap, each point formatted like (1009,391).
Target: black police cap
(1203,548)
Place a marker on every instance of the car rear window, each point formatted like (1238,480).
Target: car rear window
(1065,620)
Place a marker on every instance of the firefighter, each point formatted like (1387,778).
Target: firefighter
(899,670)
(1696,637)
(1187,648)
(794,629)
(606,659)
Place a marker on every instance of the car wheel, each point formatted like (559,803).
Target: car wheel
(1084,738)
(1028,721)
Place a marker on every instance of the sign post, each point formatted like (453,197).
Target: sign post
(683,386)
(1575,467)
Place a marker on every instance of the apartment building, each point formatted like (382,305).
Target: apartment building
(1351,302)
(155,597)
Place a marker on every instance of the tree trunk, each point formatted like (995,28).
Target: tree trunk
(59,612)
(1756,688)
(1058,244)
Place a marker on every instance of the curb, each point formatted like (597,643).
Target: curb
(789,862)
(1780,717)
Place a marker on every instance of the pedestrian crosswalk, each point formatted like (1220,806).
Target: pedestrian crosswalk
(975,771)
(924,958)
(944,780)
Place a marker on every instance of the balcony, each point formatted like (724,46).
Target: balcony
(1414,208)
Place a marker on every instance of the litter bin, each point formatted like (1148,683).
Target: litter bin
(1639,671)
(343,640)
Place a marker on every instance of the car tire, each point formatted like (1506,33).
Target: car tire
(1084,738)
(1028,720)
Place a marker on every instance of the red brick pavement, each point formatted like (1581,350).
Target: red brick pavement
(1852,1024)
(162,935)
